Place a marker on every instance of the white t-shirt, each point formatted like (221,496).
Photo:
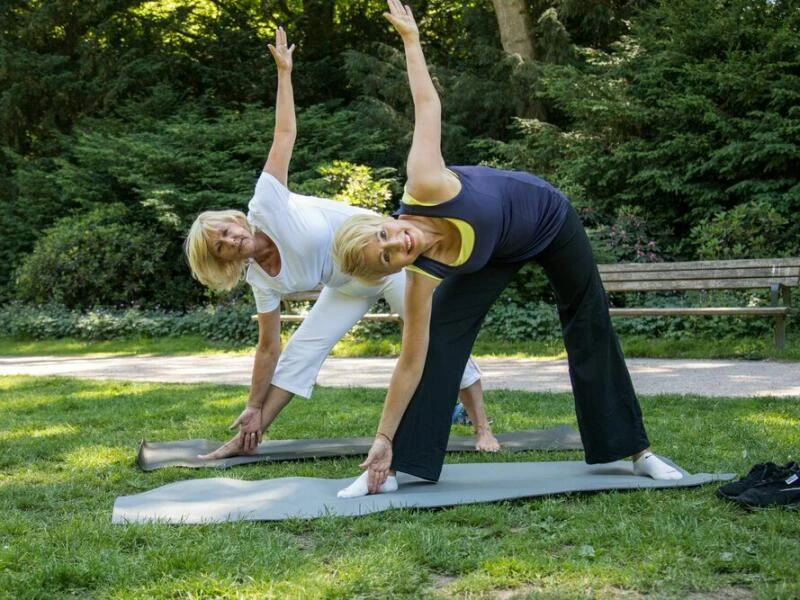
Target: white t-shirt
(302,228)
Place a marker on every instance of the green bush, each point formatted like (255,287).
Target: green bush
(512,320)
(106,258)
(353,184)
(508,320)
(229,323)
(750,230)
(678,327)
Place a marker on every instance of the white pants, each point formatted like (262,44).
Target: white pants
(332,315)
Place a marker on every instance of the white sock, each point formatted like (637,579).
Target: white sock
(359,487)
(651,466)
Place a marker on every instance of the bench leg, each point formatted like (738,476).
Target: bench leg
(780,331)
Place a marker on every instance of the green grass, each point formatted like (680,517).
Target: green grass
(640,347)
(68,448)
(70,347)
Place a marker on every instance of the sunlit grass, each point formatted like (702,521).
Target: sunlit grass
(152,346)
(91,457)
(35,432)
(68,450)
(389,345)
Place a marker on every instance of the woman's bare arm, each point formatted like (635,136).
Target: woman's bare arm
(280,153)
(405,377)
(427,178)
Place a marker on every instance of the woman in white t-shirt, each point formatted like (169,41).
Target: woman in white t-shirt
(283,245)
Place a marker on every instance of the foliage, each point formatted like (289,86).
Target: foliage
(508,320)
(706,326)
(693,112)
(356,186)
(104,257)
(229,323)
(674,122)
(754,229)
(166,171)
(626,239)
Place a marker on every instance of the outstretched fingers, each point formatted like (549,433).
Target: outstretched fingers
(401,17)
(281,51)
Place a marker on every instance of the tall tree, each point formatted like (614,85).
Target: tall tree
(515,27)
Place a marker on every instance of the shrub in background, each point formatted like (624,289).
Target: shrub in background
(228,323)
(231,323)
(107,258)
(750,230)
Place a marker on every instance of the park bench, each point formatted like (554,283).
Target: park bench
(311,296)
(778,275)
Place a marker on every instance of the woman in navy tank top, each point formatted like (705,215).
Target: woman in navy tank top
(462,233)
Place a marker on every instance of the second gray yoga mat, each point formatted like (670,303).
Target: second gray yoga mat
(155,455)
(221,499)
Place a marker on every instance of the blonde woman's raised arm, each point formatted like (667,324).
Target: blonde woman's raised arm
(280,153)
(427,177)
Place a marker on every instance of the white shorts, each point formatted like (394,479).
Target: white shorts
(333,314)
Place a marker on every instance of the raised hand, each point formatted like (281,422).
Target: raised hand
(281,52)
(379,459)
(400,16)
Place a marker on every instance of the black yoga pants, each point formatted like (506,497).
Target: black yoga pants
(608,413)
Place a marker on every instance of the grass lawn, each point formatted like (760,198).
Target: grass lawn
(68,448)
(751,348)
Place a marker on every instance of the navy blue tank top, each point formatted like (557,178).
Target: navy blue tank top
(514,216)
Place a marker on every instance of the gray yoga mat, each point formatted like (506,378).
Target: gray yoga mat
(155,455)
(222,499)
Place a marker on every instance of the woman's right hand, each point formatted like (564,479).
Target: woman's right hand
(249,424)
(400,16)
(281,52)
(378,463)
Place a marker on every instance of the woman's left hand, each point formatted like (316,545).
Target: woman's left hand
(378,462)
(401,17)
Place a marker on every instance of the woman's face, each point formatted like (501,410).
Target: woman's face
(231,241)
(395,245)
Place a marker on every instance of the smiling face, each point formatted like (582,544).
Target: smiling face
(394,245)
(230,241)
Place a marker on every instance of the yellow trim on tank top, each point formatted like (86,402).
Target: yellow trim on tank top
(467,244)
(467,241)
(421,272)
(464,229)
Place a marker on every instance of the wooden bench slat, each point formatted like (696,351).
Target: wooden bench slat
(783,274)
(692,284)
(700,311)
(290,318)
(665,277)
(702,265)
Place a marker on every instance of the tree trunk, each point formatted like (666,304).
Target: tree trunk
(515,27)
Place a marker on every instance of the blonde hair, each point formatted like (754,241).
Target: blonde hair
(209,270)
(349,243)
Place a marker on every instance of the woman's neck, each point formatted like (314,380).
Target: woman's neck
(443,240)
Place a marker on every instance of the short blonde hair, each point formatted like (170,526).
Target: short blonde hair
(222,275)
(349,243)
